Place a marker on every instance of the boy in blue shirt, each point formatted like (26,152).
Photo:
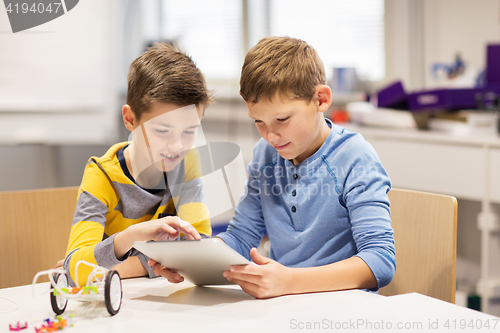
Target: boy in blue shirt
(318,189)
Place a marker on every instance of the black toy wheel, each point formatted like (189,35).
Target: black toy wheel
(113,292)
(58,302)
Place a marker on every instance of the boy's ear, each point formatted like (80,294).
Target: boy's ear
(324,97)
(129,118)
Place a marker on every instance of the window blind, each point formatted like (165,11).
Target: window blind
(344,33)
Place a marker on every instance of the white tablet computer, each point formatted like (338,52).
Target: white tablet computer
(202,262)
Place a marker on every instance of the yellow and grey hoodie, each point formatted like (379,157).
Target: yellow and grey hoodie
(109,201)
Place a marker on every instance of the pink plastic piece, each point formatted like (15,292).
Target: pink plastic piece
(18,327)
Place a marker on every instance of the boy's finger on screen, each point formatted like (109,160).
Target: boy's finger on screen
(168,229)
(192,234)
(176,221)
(164,236)
(190,230)
(190,237)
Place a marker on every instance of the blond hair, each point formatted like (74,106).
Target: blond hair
(281,66)
(167,75)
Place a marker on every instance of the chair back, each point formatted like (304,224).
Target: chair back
(34,235)
(425,234)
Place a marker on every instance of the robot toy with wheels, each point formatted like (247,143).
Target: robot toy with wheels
(102,285)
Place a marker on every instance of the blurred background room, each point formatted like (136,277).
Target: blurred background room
(63,83)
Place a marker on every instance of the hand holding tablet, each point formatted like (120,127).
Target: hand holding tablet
(201,262)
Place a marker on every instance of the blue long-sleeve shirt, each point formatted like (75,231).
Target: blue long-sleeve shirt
(330,207)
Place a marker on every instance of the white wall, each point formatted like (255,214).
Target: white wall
(422,32)
(463,26)
(58,81)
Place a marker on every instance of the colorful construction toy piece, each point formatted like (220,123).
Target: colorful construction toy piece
(59,324)
(18,327)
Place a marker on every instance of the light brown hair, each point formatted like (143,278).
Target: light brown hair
(167,75)
(283,66)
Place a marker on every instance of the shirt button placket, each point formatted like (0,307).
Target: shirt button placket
(294,192)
